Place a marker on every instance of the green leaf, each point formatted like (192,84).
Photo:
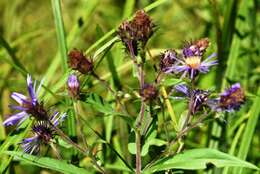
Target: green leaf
(104,107)
(198,159)
(49,163)
(170,81)
(150,141)
(99,104)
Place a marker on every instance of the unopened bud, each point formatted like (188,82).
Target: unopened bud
(73,86)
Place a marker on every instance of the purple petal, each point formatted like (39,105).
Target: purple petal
(31,89)
(192,73)
(20,108)
(183,89)
(19,98)
(28,140)
(31,145)
(181,68)
(211,56)
(12,120)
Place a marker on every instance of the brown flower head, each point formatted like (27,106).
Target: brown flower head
(143,26)
(202,44)
(149,92)
(196,48)
(136,31)
(232,98)
(78,61)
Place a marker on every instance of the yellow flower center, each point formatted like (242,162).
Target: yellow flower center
(193,62)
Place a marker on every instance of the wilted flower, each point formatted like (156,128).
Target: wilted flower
(136,31)
(149,92)
(197,97)
(78,61)
(44,133)
(73,86)
(142,26)
(231,99)
(127,36)
(168,58)
(27,105)
(196,48)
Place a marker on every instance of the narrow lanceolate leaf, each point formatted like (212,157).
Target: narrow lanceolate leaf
(198,159)
(60,32)
(49,163)
(249,131)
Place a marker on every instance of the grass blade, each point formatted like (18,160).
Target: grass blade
(249,131)
(56,6)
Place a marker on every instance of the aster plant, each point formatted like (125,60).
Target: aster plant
(154,134)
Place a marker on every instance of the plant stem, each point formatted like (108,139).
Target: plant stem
(139,66)
(138,161)
(78,147)
(76,110)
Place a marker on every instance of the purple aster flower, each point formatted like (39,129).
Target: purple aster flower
(230,100)
(28,105)
(197,98)
(44,133)
(73,86)
(193,65)
(191,62)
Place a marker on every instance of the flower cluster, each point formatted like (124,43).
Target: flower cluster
(30,106)
(230,100)
(189,62)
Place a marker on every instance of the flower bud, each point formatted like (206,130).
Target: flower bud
(73,86)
